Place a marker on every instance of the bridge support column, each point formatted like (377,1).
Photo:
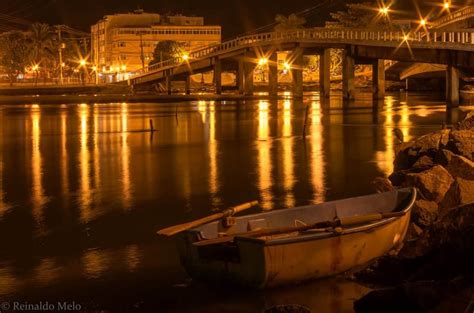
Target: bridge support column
(218,76)
(187,85)
(273,75)
(248,78)
(325,73)
(168,85)
(348,75)
(452,86)
(240,76)
(297,72)
(378,79)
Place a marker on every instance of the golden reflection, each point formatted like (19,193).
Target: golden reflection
(125,156)
(3,206)
(202,110)
(38,196)
(287,147)
(95,139)
(317,155)
(47,271)
(64,155)
(264,146)
(94,263)
(85,197)
(213,150)
(384,159)
(133,257)
(405,122)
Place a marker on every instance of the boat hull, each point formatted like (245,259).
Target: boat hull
(261,263)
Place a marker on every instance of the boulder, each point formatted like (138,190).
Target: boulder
(424,212)
(459,166)
(462,142)
(408,153)
(443,157)
(461,192)
(433,183)
(423,163)
(382,184)
(467,123)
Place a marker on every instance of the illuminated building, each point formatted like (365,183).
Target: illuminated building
(123,43)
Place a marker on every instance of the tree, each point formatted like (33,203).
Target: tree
(42,50)
(361,15)
(14,54)
(293,21)
(165,50)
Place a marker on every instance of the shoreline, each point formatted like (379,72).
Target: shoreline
(108,98)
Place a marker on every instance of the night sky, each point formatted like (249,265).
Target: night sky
(235,16)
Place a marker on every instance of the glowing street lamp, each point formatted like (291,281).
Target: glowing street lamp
(383,10)
(35,67)
(262,61)
(185,56)
(423,22)
(82,62)
(446,5)
(123,68)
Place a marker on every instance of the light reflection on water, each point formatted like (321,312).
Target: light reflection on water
(82,190)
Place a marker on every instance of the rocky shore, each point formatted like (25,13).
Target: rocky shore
(434,270)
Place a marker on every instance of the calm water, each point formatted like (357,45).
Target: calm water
(82,191)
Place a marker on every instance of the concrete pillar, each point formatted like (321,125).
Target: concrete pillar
(240,76)
(218,76)
(297,72)
(348,76)
(452,86)
(378,79)
(325,73)
(168,84)
(187,85)
(273,75)
(248,78)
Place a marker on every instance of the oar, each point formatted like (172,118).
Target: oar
(339,222)
(173,230)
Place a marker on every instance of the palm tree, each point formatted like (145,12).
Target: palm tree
(41,42)
(293,21)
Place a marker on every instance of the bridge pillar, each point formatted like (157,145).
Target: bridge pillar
(348,76)
(218,75)
(187,85)
(378,79)
(297,72)
(273,75)
(452,86)
(325,73)
(168,84)
(248,78)
(240,76)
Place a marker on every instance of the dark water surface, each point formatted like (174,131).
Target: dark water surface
(82,192)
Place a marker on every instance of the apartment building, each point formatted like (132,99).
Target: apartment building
(123,43)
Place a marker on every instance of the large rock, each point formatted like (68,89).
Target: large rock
(433,183)
(462,142)
(424,213)
(459,166)
(443,157)
(423,163)
(467,123)
(460,193)
(408,153)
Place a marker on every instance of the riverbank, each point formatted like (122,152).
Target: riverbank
(433,270)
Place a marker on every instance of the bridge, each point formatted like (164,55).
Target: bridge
(454,49)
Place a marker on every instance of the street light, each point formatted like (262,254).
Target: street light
(423,22)
(446,5)
(383,10)
(185,56)
(262,61)
(82,62)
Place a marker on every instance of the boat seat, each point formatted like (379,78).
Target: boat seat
(256,224)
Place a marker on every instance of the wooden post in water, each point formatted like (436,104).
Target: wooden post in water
(152,129)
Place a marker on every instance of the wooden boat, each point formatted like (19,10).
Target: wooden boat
(288,258)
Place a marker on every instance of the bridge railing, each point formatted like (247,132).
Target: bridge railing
(325,35)
(454,17)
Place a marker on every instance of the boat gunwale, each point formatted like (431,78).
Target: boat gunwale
(326,235)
